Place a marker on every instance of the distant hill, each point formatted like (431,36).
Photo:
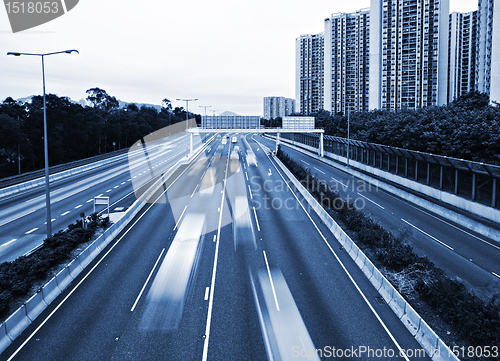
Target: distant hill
(226,113)
(84,103)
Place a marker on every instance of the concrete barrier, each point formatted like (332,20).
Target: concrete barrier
(386,290)
(398,304)
(50,291)
(17,322)
(35,305)
(427,337)
(368,268)
(63,278)
(75,267)
(86,256)
(411,319)
(5,340)
(360,260)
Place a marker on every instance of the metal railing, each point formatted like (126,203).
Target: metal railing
(475,181)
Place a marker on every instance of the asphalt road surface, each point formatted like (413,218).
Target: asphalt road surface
(226,264)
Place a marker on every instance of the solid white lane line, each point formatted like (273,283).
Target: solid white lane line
(427,234)
(345,270)
(195,190)
(368,199)
(78,206)
(33,230)
(146,283)
(180,217)
(214,272)
(207,290)
(319,170)
(304,162)
(256,219)
(65,213)
(250,191)
(495,274)
(272,283)
(12,240)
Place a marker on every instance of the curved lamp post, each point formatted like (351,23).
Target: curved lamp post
(45,143)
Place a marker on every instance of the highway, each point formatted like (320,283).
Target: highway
(459,252)
(23,216)
(225,264)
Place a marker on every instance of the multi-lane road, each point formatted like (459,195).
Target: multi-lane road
(460,252)
(23,216)
(226,263)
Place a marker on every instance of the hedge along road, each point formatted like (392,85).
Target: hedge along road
(459,252)
(101,318)
(23,217)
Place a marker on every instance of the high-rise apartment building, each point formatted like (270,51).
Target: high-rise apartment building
(408,53)
(309,73)
(347,61)
(275,107)
(488,49)
(462,54)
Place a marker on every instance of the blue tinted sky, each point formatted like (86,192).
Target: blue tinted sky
(229,54)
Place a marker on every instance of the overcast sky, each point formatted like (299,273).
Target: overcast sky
(227,53)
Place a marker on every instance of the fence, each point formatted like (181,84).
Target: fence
(475,181)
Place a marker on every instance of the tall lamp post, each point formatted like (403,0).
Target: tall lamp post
(45,143)
(187,110)
(205,106)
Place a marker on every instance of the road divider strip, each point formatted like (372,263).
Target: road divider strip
(20,319)
(422,332)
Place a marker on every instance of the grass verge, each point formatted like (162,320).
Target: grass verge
(18,278)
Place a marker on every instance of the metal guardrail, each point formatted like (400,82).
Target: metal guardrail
(475,181)
(8,181)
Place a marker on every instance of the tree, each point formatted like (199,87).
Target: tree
(101,100)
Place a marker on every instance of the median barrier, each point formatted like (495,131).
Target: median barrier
(86,256)
(445,353)
(93,250)
(376,279)
(427,337)
(411,319)
(63,278)
(17,322)
(360,260)
(368,268)
(5,340)
(75,267)
(398,304)
(50,291)
(386,290)
(353,252)
(35,305)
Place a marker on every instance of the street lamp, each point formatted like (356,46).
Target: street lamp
(205,106)
(187,110)
(45,143)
